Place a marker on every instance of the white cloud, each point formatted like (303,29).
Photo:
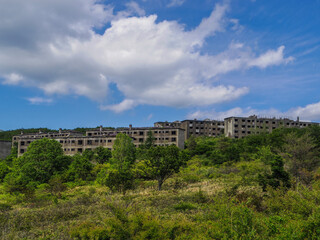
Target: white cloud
(12,79)
(39,100)
(123,106)
(52,46)
(134,7)
(271,57)
(310,112)
(175,3)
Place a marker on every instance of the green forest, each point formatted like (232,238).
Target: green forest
(264,186)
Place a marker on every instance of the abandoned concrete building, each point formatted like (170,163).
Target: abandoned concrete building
(163,136)
(207,127)
(234,127)
(5,149)
(74,142)
(239,127)
(165,133)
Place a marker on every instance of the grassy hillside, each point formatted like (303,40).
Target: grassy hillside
(215,207)
(261,187)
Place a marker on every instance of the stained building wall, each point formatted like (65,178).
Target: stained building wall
(5,149)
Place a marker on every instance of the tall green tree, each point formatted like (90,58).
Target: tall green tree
(43,159)
(118,174)
(300,154)
(164,161)
(278,176)
(124,151)
(150,140)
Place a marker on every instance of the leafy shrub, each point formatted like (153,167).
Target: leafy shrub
(184,206)
(5,207)
(4,170)
(88,231)
(79,169)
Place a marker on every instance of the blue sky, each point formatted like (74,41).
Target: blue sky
(84,63)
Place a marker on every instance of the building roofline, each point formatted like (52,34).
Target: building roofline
(136,128)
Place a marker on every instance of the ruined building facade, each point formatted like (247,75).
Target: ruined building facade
(5,149)
(234,127)
(210,128)
(165,133)
(239,127)
(73,142)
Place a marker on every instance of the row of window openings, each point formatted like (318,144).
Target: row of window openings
(43,136)
(261,121)
(219,124)
(248,126)
(244,132)
(79,149)
(90,142)
(213,129)
(140,133)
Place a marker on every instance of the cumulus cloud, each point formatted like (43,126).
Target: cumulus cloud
(309,112)
(53,46)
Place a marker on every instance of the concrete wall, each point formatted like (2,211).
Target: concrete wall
(5,149)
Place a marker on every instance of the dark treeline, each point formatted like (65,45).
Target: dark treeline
(7,135)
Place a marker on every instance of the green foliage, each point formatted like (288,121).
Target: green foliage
(16,182)
(191,146)
(13,155)
(102,155)
(88,154)
(226,150)
(278,177)
(124,151)
(56,186)
(118,175)
(117,179)
(223,198)
(164,161)
(4,170)
(43,159)
(149,141)
(184,206)
(79,169)
(300,153)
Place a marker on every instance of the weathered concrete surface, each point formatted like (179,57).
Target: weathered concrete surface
(5,148)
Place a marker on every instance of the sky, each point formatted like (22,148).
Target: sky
(85,63)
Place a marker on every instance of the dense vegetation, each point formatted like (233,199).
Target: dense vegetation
(7,135)
(263,186)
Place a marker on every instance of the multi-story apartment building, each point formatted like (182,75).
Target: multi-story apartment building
(175,124)
(239,127)
(165,133)
(207,127)
(162,135)
(74,142)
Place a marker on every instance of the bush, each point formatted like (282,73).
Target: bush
(4,170)
(79,169)
(184,206)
